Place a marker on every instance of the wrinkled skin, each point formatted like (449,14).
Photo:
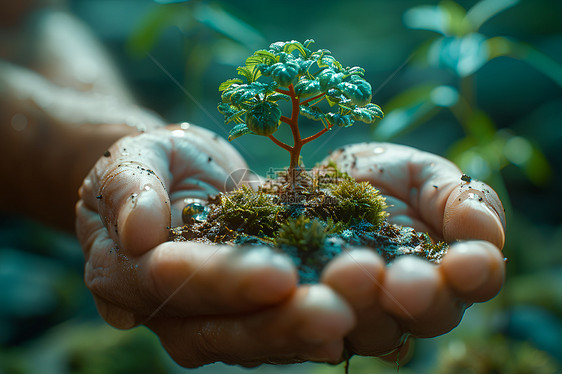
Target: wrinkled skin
(245,306)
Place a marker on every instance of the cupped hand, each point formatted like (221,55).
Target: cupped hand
(412,296)
(206,303)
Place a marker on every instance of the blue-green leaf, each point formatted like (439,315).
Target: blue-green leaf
(341,120)
(307,88)
(356,70)
(251,73)
(328,78)
(358,91)
(261,57)
(313,113)
(278,96)
(226,84)
(294,45)
(367,114)
(238,130)
(264,118)
(284,73)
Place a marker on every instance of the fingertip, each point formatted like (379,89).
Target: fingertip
(267,277)
(326,316)
(474,213)
(143,220)
(356,275)
(410,286)
(475,270)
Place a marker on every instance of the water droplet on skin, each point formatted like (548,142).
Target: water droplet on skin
(378,150)
(194,211)
(184,125)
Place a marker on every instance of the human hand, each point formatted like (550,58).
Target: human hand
(206,303)
(413,296)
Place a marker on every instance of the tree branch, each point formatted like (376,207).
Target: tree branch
(280,143)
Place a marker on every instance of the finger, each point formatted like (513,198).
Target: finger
(179,279)
(201,165)
(92,233)
(474,211)
(400,213)
(189,278)
(429,185)
(417,295)
(420,179)
(128,190)
(132,187)
(357,276)
(309,326)
(475,270)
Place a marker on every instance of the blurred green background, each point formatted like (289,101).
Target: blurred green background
(477,82)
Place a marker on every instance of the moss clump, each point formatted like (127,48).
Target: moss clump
(355,202)
(252,212)
(306,234)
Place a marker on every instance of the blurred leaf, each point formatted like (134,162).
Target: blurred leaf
(486,9)
(406,111)
(523,153)
(171,1)
(457,21)
(538,60)
(445,96)
(447,18)
(415,95)
(470,158)
(401,120)
(481,127)
(463,55)
(501,46)
(153,24)
(427,17)
(226,24)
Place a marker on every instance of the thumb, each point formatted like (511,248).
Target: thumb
(128,190)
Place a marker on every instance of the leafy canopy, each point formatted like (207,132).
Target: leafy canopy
(312,76)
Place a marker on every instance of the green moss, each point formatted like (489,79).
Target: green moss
(357,201)
(254,213)
(306,234)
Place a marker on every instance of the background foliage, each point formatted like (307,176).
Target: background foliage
(477,82)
